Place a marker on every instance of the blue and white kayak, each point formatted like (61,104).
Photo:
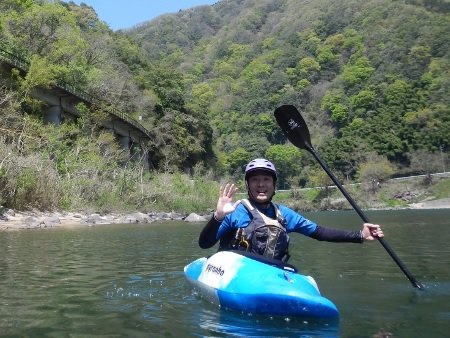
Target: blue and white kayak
(249,283)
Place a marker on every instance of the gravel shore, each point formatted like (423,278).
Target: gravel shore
(435,204)
(15,220)
(11,220)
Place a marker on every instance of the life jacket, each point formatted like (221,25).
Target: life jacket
(263,235)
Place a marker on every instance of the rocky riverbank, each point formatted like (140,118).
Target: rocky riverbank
(15,220)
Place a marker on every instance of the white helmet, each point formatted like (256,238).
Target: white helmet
(260,164)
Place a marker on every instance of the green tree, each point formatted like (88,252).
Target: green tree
(418,59)
(426,162)
(326,58)
(335,104)
(287,161)
(309,69)
(356,72)
(319,178)
(363,101)
(203,94)
(397,94)
(236,161)
(374,171)
(346,153)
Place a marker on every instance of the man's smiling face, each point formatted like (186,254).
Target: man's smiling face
(261,186)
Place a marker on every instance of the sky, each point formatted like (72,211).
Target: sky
(119,14)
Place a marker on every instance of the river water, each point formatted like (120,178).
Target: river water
(127,281)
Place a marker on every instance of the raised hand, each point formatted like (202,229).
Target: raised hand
(225,203)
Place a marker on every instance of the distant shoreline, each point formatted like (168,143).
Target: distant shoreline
(443,203)
(30,220)
(15,220)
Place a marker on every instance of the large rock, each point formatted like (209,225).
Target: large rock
(51,221)
(137,217)
(195,218)
(96,219)
(30,223)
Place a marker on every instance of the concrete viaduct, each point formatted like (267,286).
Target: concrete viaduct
(62,99)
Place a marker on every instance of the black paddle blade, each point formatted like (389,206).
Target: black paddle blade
(293,126)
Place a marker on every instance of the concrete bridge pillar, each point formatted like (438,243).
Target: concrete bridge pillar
(125,142)
(53,115)
(140,155)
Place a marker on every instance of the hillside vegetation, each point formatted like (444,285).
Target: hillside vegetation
(371,78)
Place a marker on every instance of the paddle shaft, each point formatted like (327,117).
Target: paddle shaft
(363,216)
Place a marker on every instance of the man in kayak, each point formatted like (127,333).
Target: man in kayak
(259,226)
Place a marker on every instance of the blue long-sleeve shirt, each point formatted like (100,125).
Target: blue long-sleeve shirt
(222,230)
(241,218)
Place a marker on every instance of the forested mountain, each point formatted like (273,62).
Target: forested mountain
(371,77)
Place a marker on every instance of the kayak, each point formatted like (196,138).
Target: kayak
(248,282)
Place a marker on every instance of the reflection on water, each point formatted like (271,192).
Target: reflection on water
(227,323)
(128,280)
